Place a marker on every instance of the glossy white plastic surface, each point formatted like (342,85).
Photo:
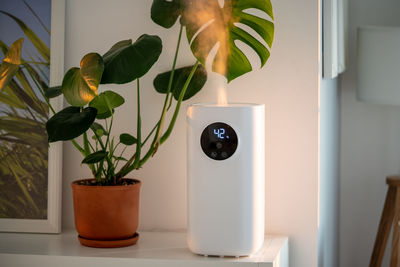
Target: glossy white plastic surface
(226,198)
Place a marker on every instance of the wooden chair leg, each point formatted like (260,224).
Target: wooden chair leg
(385,225)
(395,254)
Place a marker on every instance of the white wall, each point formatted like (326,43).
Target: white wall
(288,85)
(370,146)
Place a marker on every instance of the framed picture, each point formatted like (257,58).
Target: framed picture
(334,34)
(30,168)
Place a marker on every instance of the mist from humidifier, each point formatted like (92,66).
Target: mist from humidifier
(218,83)
(201,15)
(222,95)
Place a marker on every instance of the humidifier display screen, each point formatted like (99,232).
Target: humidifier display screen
(219,141)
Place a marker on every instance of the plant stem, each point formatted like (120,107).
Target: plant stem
(110,171)
(151,132)
(170,101)
(139,129)
(86,144)
(104,148)
(111,122)
(118,160)
(90,145)
(171,78)
(178,104)
(86,151)
(114,148)
(167,104)
(128,168)
(174,117)
(122,170)
(77,146)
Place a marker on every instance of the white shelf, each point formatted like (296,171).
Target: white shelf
(153,249)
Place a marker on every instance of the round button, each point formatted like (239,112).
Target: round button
(219,141)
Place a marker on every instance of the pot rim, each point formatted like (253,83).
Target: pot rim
(75,186)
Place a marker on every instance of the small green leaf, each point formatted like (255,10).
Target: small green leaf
(95,157)
(120,158)
(97,126)
(80,85)
(106,101)
(99,132)
(70,123)
(125,62)
(127,139)
(10,64)
(165,13)
(180,76)
(53,91)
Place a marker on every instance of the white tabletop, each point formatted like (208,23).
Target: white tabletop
(152,249)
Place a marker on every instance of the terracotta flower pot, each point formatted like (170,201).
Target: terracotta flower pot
(106,216)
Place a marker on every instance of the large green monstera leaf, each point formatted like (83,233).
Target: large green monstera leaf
(208,24)
(70,123)
(80,85)
(127,61)
(165,13)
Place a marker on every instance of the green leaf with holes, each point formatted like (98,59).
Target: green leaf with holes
(208,24)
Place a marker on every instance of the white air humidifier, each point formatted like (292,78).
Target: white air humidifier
(226,179)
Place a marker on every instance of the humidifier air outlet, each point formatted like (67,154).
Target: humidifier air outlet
(225,179)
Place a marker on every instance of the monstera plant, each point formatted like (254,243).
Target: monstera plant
(91,113)
(207,24)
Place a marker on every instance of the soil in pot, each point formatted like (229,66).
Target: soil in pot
(106,216)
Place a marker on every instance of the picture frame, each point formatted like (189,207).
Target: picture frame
(334,37)
(52,224)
